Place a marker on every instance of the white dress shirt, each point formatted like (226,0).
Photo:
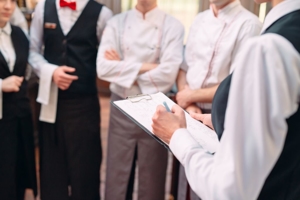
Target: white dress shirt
(251,144)
(18,19)
(8,52)
(48,91)
(156,39)
(215,42)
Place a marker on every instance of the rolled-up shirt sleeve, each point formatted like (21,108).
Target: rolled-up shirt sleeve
(264,93)
(40,65)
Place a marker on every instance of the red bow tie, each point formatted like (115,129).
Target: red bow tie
(64,3)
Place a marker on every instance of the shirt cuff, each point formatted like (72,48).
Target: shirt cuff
(1,102)
(48,112)
(47,71)
(181,142)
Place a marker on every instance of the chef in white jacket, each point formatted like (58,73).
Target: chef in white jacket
(215,39)
(141,52)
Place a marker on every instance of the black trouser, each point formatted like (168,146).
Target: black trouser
(71,151)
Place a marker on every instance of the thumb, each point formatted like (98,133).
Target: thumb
(176,109)
(197,116)
(160,109)
(21,78)
(68,69)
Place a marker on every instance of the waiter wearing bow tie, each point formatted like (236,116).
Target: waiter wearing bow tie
(70,145)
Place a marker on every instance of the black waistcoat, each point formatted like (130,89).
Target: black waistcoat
(284,180)
(77,49)
(16,104)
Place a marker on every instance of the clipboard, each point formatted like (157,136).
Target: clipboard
(135,99)
(141,108)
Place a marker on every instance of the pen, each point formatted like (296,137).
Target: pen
(166,106)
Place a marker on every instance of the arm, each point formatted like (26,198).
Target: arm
(7,85)
(46,71)
(188,96)
(120,72)
(181,80)
(163,76)
(250,29)
(253,140)
(40,65)
(104,16)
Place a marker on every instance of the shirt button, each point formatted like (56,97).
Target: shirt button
(64,41)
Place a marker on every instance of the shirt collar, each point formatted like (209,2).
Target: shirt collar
(154,16)
(6,29)
(227,13)
(279,11)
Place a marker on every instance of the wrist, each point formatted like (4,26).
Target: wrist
(195,96)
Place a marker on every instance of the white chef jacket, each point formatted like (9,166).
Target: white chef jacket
(214,43)
(156,39)
(48,91)
(8,52)
(251,144)
(18,19)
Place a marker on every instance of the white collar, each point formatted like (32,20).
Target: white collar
(227,13)
(153,16)
(6,29)
(279,11)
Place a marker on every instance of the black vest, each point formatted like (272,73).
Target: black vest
(284,180)
(77,49)
(16,104)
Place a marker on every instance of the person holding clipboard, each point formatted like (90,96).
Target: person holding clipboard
(259,104)
(17,160)
(140,53)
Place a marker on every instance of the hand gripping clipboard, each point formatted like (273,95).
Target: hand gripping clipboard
(141,108)
(133,100)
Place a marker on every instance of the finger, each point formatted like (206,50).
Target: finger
(69,77)
(115,54)
(68,69)
(65,81)
(191,112)
(64,86)
(16,89)
(18,83)
(19,78)
(198,111)
(160,109)
(109,57)
(178,95)
(176,109)
(108,52)
(197,116)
